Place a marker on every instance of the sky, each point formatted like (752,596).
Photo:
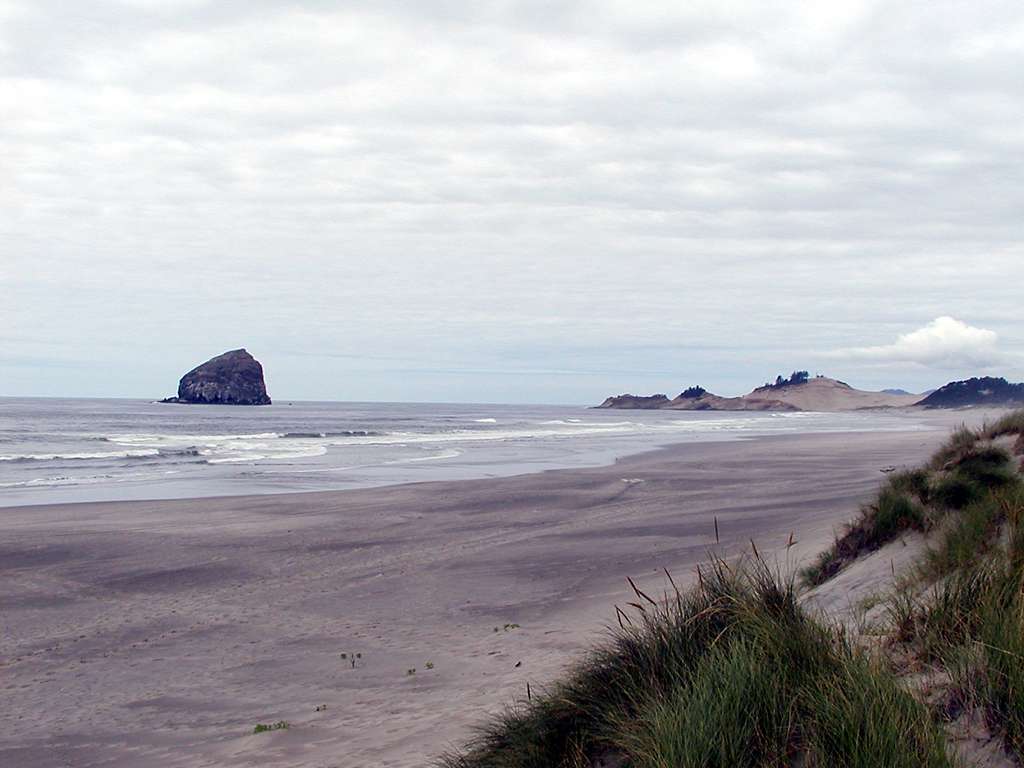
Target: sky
(509,201)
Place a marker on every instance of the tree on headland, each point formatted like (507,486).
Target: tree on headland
(795,378)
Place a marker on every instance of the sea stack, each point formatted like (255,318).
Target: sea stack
(234,378)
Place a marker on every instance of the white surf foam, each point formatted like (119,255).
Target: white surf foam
(84,456)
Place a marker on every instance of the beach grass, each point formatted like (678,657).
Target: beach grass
(1010,424)
(897,509)
(732,672)
(963,616)
(959,478)
(970,622)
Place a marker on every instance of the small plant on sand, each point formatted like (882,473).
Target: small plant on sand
(429,665)
(351,658)
(280,725)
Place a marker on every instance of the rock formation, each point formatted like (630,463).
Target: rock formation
(694,399)
(234,378)
(636,402)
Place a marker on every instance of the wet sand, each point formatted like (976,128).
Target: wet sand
(160,633)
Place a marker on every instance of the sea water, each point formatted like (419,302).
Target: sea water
(54,450)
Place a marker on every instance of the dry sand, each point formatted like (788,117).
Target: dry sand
(160,633)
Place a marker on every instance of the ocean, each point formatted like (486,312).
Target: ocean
(72,450)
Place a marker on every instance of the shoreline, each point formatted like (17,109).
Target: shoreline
(345,450)
(170,628)
(601,457)
(303,494)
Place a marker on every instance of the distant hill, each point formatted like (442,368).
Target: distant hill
(636,402)
(895,392)
(824,394)
(799,392)
(973,392)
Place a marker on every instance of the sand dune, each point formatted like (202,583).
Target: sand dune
(824,394)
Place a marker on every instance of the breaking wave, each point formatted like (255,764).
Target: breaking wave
(85,456)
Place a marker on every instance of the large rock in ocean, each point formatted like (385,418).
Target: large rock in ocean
(234,378)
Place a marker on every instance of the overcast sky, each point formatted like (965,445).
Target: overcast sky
(509,201)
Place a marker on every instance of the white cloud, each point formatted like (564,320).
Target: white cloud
(502,183)
(945,343)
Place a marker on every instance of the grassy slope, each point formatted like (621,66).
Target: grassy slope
(734,672)
(730,673)
(961,615)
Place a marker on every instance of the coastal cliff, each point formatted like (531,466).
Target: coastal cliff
(233,378)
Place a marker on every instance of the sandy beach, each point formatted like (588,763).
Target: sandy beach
(160,633)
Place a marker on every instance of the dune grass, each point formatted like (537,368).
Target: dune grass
(959,443)
(897,509)
(959,478)
(732,672)
(1010,424)
(968,620)
(971,623)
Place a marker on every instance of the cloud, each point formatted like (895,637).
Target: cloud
(945,343)
(504,183)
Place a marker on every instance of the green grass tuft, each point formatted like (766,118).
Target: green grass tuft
(915,483)
(729,673)
(1010,424)
(955,491)
(960,474)
(968,535)
(862,718)
(280,725)
(893,513)
(962,441)
(732,710)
